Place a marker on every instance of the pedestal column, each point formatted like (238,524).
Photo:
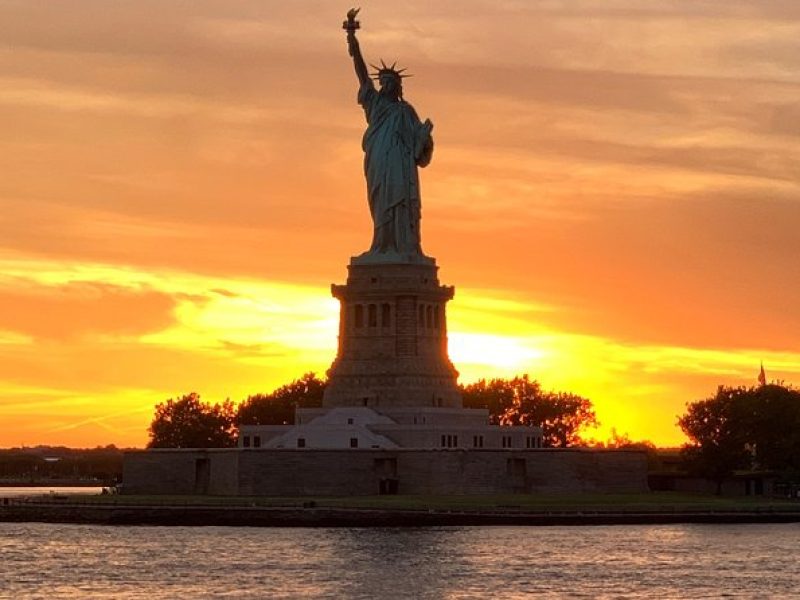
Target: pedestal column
(392,339)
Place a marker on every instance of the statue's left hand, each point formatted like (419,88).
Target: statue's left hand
(424,145)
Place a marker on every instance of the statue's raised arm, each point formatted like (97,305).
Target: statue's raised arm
(351,25)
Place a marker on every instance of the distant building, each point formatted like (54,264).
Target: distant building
(361,427)
(670,474)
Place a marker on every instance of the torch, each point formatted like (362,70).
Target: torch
(351,25)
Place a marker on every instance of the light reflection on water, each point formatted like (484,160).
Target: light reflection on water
(668,561)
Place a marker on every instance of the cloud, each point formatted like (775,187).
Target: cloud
(80,309)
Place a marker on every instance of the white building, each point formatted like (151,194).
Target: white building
(400,427)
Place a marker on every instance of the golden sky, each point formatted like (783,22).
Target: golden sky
(614,193)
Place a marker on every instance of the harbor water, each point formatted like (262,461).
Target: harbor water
(655,561)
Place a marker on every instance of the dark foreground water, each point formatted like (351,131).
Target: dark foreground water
(669,561)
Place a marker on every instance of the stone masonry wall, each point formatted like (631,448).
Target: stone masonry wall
(306,472)
(167,471)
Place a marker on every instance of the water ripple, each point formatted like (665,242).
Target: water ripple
(669,561)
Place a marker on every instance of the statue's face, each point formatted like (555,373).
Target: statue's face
(391,86)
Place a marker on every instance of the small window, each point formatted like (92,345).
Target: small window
(354,442)
(246,441)
(372,315)
(386,315)
(359,316)
(444,439)
(301,442)
(350,421)
(436,310)
(256,441)
(455,441)
(365,401)
(429,316)
(421,319)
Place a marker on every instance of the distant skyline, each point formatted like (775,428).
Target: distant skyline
(614,193)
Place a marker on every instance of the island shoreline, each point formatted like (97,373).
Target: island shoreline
(312,516)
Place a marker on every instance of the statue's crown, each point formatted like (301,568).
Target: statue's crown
(385,70)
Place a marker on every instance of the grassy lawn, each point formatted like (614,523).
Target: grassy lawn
(653,501)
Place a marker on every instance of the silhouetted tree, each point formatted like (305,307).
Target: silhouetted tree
(497,395)
(774,428)
(743,428)
(189,423)
(621,441)
(521,401)
(277,408)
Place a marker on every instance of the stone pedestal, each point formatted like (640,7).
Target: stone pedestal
(392,338)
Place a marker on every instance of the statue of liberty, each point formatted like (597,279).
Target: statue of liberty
(395,143)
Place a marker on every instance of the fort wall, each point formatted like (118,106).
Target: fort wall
(318,472)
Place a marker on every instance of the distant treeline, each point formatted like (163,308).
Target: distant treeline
(66,466)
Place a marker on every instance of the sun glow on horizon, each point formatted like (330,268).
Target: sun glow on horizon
(481,350)
(234,337)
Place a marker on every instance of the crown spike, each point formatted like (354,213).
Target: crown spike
(386,70)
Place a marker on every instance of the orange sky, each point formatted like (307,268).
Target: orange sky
(614,194)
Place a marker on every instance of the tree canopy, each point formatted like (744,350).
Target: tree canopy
(621,441)
(521,401)
(187,422)
(744,428)
(277,408)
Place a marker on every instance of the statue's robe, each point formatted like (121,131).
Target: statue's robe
(394,144)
